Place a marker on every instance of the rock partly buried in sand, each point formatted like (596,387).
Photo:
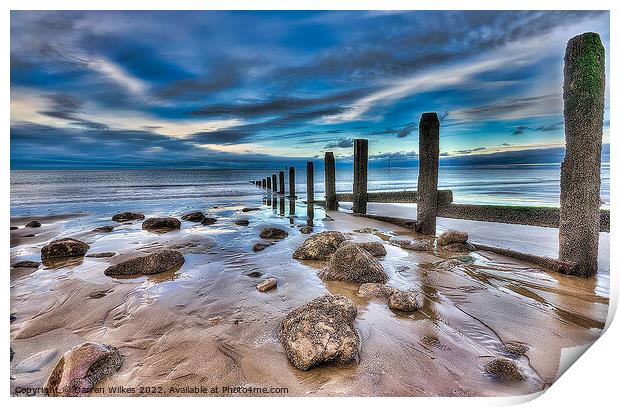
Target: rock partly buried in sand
(127,216)
(26,264)
(158,262)
(447,264)
(161,224)
(260,247)
(101,255)
(352,264)
(66,247)
(459,247)
(374,248)
(267,284)
(515,348)
(273,233)
(250,209)
(321,331)
(416,245)
(320,246)
(406,301)
(242,222)
(208,221)
(79,369)
(503,370)
(371,290)
(194,216)
(452,236)
(33,224)
(306,229)
(104,229)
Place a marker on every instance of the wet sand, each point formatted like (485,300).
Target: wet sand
(207,325)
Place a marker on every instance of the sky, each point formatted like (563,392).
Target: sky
(216,89)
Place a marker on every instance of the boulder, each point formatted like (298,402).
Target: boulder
(101,255)
(157,262)
(273,233)
(416,245)
(504,370)
(353,264)
(515,348)
(208,221)
(104,229)
(375,248)
(242,222)
(320,246)
(163,224)
(459,247)
(321,331)
(452,236)
(66,247)
(26,264)
(33,224)
(406,301)
(127,216)
(306,229)
(81,368)
(194,216)
(260,247)
(371,290)
(267,284)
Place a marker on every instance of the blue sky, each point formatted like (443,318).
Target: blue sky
(244,89)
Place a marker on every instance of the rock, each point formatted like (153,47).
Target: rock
(81,368)
(267,284)
(515,348)
(100,255)
(14,228)
(447,264)
(368,230)
(250,209)
(306,229)
(416,245)
(157,262)
(459,247)
(33,224)
(66,247)
(321,331)
(260,247)
(406,301)
(26,264)
(452,236)
(370,290)
(194,216)
(254,274)
(375,248)
(162,224)
(352,264)
(126,216)
(273,233)
(503,370)
(104,229)
(242,222)
(320,246)
(208,221)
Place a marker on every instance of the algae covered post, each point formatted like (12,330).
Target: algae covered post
(429,173)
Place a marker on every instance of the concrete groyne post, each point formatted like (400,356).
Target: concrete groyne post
(281,175)
(580,174)
(291,182)
(268,182)
(428,174)
(274,182)
(331,203)
(309,182)
(360,175)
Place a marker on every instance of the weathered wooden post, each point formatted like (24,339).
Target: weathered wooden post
(580,174)
(291,182)
(274,182)
(331,203)
(310,214)
(360,175)
(428,174)
(309,182)
(282,205)
(281,174)
(264,183)
(268,182)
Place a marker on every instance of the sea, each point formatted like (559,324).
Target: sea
(37,192)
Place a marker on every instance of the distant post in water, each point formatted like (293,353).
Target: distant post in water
(291,182)
(331,203)
(360,175)
(274,182)
(281,174)
(580,174)
(428,174)
(309,182)
(268,182)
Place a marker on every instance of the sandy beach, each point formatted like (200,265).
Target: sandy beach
(206,324)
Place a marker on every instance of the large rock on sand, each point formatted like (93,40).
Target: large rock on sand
(79,369)
(375,248)
(321,331)
(194,216)
(273,233)
(161,224)
(158,262)
(126,216)
(66,247)
(452,236)
(353,264)
(504,370)
(406,301)
(320,246)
